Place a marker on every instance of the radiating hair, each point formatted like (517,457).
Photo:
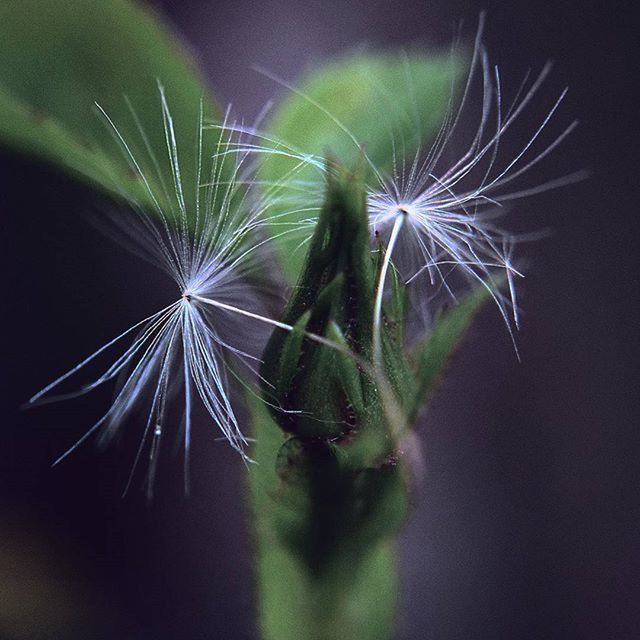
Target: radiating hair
(211,247)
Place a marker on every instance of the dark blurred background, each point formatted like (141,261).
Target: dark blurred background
(526,521)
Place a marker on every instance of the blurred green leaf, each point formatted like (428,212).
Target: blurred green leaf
(435,352)
(61,56)
(389,104)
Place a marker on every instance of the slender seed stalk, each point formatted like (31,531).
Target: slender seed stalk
(377,310)
(274,323)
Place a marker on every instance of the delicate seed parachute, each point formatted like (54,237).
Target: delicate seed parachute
(437,218)
(211,248)
(439,222)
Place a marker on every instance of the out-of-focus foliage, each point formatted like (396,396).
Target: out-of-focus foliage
(60,58)
(387,104)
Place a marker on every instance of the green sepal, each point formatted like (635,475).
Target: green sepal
(330,512)
(350,374)
(433,354)
(291,351)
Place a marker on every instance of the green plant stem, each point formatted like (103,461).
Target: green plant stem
(351,595)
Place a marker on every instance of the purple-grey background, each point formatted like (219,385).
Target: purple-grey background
(526,522)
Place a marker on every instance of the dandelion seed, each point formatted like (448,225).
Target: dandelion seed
(211,250)
(448,215)
(436,219)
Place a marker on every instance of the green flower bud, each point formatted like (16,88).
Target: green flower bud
(319,392)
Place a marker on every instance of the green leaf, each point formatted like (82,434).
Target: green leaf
(390,104)
(434,354)
(61,56)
